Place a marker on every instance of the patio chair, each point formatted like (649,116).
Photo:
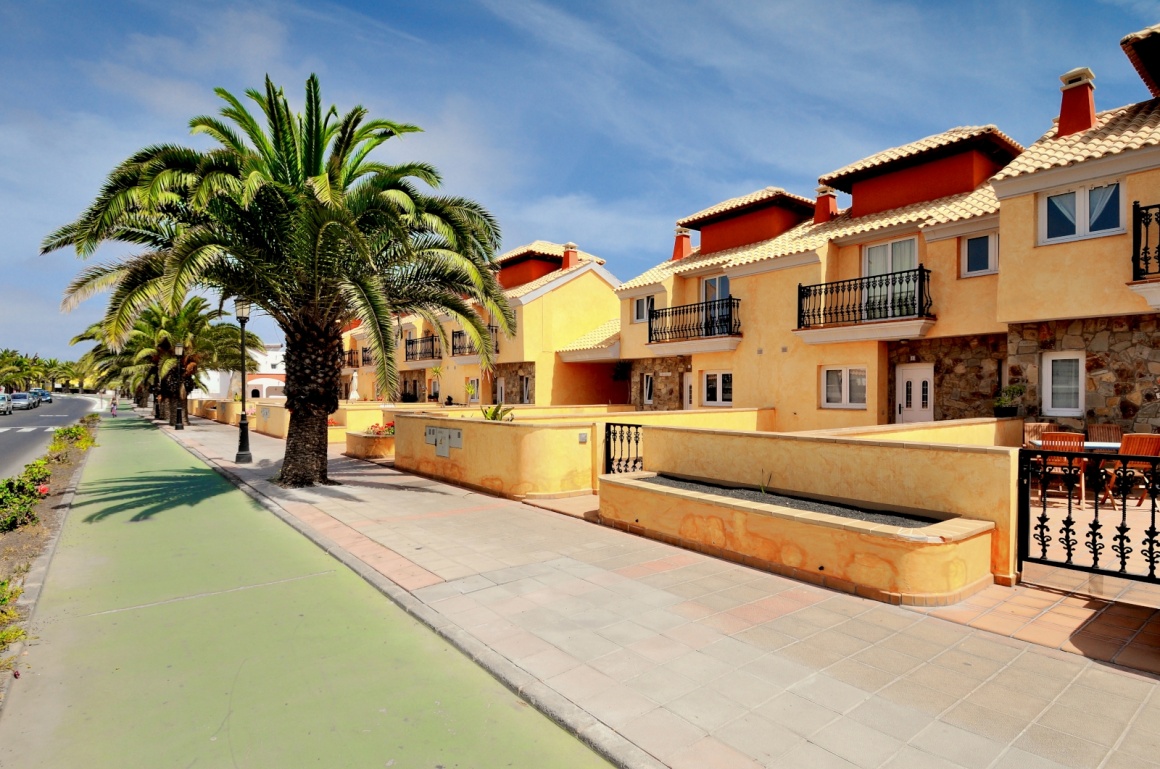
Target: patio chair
(1055,441)
(1140,445)
(1033,431)
(1104,433)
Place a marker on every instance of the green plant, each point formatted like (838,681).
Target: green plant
(469,388)
(498,413)
(379,431)
(764,485)
(1010,395)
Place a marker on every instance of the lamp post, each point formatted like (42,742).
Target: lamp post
(179,348)
(242,311)
(157,392)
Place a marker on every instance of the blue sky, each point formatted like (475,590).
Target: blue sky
(597,122)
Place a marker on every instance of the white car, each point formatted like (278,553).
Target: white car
(5,403)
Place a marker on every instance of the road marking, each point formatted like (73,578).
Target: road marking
(4,429)
(215,592)
(25,429)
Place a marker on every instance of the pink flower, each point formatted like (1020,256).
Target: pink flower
(42,489)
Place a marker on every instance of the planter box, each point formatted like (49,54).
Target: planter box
(934,565)
(363,446)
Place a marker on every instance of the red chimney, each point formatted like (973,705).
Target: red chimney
(826,207)
(1077,112)
(571,257)
(683,245)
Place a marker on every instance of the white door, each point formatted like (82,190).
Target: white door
(687,390)
(914,392)
(499,391)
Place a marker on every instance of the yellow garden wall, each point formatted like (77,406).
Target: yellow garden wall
(976,482)
(271,418)
(228,412)
(363,446)
(984,431)
(511,459)
(935,564)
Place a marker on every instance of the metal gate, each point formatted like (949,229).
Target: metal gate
(1090,512)
(623,452)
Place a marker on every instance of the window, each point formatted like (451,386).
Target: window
(500,392)
(844,387)
(715,288)
(525,389)
(1083,212)
(641,307)
(980,254)
(646,388)
(1063,378)
(890,298)
(472,389)
(718,388)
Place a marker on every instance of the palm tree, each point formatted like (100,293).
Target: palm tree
(296,218)
(18,371)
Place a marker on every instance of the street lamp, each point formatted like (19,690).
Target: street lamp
(179,348)
(242,312)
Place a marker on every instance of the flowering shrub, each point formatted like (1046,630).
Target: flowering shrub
(380,430)
(331,422)
(19,495)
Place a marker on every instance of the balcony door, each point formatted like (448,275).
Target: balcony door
(891,295)
(718,315)
(914,392)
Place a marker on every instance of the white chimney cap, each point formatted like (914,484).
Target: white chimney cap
(682,231)
(569,246)
(1077,76)
(824,190)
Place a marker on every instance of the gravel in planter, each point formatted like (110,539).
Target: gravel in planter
(796,503)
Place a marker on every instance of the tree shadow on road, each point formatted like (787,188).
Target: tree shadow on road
(147,494)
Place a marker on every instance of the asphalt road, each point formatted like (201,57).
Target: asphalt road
(25,435)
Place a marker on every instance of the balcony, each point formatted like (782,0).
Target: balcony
(694,328)
(889,307)
(423,348)
(1146,253)
(461,344)
(350,359)
(367,358)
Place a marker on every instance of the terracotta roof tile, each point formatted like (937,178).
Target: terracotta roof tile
(1141,49)
(690,263)
(916,148)
(1118,130)
(743,201)
(603,336)
(545,248)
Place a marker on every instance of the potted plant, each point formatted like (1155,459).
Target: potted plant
(1007,404)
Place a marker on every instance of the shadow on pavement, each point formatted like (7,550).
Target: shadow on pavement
(147,494)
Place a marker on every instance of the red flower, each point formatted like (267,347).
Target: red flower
(42,489)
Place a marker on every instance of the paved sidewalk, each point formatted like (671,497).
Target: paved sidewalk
(182,625)
(704,663)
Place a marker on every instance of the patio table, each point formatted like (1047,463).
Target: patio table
(1090,445)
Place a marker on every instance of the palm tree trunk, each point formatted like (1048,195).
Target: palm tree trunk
(313,370)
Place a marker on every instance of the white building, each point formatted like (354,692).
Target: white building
(267,382)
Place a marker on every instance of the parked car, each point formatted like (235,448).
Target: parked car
(44,395)
(23,401)
(5,403)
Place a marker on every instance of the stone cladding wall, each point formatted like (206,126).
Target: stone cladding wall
(1122,385)
(666,389)
(409,380)
(511,373)
(966,372)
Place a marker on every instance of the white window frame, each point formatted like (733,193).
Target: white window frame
(525,389)
(646,389)
(845,402)
(866,254)
(500,390)
(716,281)
(1081,212)
(647,303)
(1049,408)
(473,380)
(992,254)
(720,402)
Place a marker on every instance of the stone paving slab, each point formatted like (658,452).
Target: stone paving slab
(701,662)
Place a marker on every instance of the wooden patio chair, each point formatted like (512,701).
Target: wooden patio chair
(1056,441)
(1104,433)
(1141,445)
(1033,431)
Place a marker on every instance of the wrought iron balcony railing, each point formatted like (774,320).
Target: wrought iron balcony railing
(695,321)
(367,358)
(350,359)
(462,345)
(423,348)
(1145,241)
(895,295)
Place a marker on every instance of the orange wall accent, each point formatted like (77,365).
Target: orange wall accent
(351,326)
(961,172)
(526,271)
(750,227)
(586,383)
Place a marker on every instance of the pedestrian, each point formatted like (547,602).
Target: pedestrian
(113,408)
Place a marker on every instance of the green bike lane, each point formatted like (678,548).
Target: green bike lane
(182,625)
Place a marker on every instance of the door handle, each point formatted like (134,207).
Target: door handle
(899,408)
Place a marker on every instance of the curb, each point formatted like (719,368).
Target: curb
(37,574)
(572,718)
